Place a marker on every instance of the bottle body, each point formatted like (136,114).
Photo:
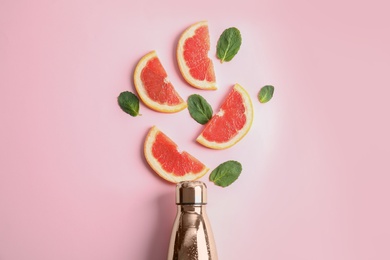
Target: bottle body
(192,237)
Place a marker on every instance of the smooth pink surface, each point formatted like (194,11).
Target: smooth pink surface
(73,181)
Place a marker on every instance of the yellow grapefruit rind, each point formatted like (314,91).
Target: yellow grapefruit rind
(249,116)
(139,86)
(200,84)
(155,165)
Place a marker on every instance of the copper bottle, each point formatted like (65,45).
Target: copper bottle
(192,238)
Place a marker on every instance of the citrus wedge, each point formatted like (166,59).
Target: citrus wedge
(231,123)
(192,56)
(163,156)
(153,86)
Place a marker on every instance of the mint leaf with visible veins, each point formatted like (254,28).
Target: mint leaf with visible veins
(199,109)
(228,44)
(226,173)
(266,93)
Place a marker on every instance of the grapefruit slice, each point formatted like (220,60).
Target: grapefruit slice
(168,162)
(231,123)
(153,86)
(192,56)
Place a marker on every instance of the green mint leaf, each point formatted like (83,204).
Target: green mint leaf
(226,173)
(266,93)
(199,109)
(228,44)
(129,103)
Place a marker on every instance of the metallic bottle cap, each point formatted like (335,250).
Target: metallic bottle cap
(191,192)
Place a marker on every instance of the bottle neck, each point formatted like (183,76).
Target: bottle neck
(196,208)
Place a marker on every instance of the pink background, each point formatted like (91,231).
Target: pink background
(73,181)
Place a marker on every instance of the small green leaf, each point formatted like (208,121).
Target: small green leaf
(199,109)
(228,44)
(226,173)
(129,103)
(266,93)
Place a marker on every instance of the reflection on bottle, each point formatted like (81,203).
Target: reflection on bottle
(191,238)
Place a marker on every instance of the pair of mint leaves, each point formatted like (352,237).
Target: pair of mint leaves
(200,110)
